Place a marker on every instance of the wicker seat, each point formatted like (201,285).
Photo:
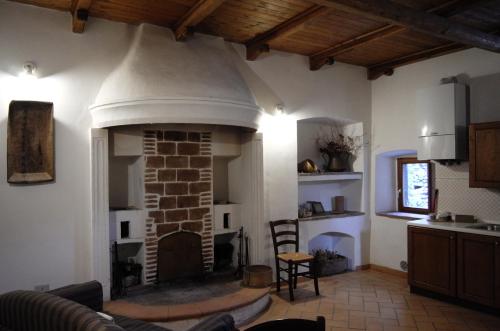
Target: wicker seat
(293,258)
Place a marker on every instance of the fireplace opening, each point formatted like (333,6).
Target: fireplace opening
(179,256)
(223,254)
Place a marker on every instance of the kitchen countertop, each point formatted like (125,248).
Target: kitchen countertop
(452,226)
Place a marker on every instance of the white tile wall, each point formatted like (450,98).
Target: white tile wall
(456,196)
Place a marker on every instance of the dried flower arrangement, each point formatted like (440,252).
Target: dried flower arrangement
(329,262)
(326,254)
(338,149)
(335,141)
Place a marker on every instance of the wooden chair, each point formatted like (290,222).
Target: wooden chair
(291,324)
(293,259)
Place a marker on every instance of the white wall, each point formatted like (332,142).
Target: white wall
(339,92)
(393,128)
(45,229)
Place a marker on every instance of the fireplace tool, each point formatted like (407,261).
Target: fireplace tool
(243,259)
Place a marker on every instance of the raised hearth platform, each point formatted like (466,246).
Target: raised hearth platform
(255,299)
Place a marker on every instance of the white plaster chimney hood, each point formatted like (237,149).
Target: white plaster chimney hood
(164,81)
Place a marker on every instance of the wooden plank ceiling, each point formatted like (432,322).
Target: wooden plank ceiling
(380,35)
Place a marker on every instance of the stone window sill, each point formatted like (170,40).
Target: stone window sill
(402,215)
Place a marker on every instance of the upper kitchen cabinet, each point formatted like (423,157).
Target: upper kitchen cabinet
(484,144)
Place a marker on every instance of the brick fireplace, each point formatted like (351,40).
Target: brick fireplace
(178,191)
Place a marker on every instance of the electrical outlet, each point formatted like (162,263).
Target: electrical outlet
(42,288)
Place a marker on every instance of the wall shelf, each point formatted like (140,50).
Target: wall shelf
(329,177)
(332,216)
(225,231)
(129,241)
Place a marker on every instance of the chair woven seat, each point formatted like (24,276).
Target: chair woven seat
(295,257)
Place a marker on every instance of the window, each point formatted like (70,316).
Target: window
(414,186)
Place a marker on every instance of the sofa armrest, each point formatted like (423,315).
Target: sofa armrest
(88,294)
(38,311)
(221,322)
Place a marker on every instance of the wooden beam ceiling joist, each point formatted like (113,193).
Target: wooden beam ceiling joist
(387,68)
(80,13)
(260,43)
(201,10)
(447,9)
(428,23)
(319,59)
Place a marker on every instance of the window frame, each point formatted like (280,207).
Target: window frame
(409,160)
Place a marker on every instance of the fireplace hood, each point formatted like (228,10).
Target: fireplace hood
(161,80)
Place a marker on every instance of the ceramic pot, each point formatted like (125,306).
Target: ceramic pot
(339,162)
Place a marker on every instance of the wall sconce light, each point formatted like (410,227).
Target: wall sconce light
(29,70)
(279,109)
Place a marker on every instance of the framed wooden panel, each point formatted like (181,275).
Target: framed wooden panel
(30,142)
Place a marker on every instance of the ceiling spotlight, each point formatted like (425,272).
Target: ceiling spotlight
(29,70)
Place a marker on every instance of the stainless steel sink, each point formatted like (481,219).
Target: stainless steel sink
(485,226)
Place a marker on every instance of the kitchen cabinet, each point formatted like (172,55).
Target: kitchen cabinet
(460,265)
(497,274)
(432,260)
(484,150)
(478,268)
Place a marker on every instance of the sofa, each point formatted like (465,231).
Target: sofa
(76,308)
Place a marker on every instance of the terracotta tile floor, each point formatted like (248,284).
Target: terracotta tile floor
(371,300)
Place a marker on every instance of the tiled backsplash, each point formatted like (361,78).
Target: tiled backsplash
(456,196)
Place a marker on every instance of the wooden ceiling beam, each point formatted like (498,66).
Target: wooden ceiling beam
(260,43)
(387,68)
(201,10)
(428,23)
(447,9)
(80,13)
(319,59)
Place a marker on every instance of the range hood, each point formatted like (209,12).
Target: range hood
(164,81)
(442,122)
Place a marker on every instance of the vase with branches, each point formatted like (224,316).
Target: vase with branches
(339,150)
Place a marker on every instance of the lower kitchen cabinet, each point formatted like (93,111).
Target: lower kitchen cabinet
(459,265)
(432,260)
(477,268)
(497,273)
